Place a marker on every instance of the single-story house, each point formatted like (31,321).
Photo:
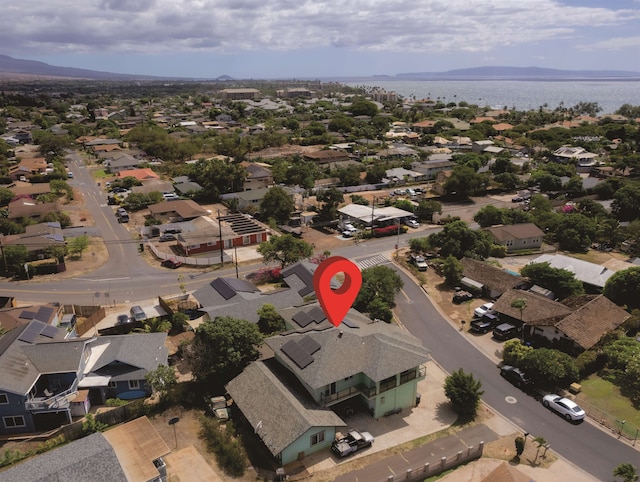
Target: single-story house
(593,276)
(26,208)
(494,281)
(379,216)
(36,238)
(576,324)
(176,211)
(143,174)
(517,236)
(232,230)
(131,452)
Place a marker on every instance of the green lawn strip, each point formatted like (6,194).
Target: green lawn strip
(605,396)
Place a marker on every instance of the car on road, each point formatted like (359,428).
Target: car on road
(167,237)
(351,443)
(412,223)
(569,409)
(505,331)
(171,263)
(123,319)
(515,376)
(482,310)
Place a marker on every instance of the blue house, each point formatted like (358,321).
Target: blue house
(43,373)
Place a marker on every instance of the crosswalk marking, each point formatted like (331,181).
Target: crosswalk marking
(371,261)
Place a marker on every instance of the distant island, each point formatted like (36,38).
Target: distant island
(518,73)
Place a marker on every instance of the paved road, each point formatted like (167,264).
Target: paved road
(585,445)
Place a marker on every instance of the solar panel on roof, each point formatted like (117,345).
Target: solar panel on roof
(317,314)
(350,323)
(49,331)
(309,345)
(44,313)
(297,354)
(28,315)
(31,333)
(223,288)
(302,318)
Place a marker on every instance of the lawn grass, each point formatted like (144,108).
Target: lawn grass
(605,396)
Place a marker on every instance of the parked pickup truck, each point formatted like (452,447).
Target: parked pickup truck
(352,442)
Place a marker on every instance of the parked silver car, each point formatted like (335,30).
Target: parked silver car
(564,406)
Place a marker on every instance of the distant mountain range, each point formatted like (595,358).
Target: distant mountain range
(23,69)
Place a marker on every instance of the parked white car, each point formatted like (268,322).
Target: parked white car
(480,311)
(564,406)
(349,230)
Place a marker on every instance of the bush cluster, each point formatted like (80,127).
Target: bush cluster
(226,447)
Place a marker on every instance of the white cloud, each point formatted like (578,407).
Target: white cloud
(228,26)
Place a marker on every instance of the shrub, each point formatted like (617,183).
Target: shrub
(115,402)
(227,449)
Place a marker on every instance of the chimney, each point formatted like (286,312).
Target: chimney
(340,334)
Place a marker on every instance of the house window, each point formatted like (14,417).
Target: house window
(317,438)
(210,243)
(4,400)
(13,422)
(407,376)
(387,384)
(246,240)
(134,384)
(348,378)
(113,384)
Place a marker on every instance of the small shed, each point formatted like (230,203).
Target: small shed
(472,285)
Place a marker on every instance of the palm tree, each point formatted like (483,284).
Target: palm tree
(155,325)
(520,304)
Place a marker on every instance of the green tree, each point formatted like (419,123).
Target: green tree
(162,380)
(459,240)
(361,106)
(16,257)
(277,204)
(379,310)
(427,208)
(222,348)
(464,392)
(331,199)
(489,215)
(623,288)
(453,270)
(626,202)
(550,368)
(269,320)
(56,251)
(381,283)
(78,244)
(464,182)
(156,325)
(561,281)
(513,351)
(626,471)
(285,249)
(575,232)
(357,199)
(6,195)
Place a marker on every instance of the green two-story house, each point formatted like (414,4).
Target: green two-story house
(362,365)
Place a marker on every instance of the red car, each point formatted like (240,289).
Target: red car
(171,263)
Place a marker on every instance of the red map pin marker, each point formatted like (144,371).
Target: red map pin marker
(336,303)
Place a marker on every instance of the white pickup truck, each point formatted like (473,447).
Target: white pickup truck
(352,442)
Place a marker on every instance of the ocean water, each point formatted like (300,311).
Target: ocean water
(521,94)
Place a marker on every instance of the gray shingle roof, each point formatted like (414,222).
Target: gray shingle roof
(379,350)
(90,458)
(590,273)
(140,350)
(278,396)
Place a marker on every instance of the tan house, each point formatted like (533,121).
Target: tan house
(517,236)
(28,167)
(258,176)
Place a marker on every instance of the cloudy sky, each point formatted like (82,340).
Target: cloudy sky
(321,38)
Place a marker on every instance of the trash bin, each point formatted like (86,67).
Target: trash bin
(418,398)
